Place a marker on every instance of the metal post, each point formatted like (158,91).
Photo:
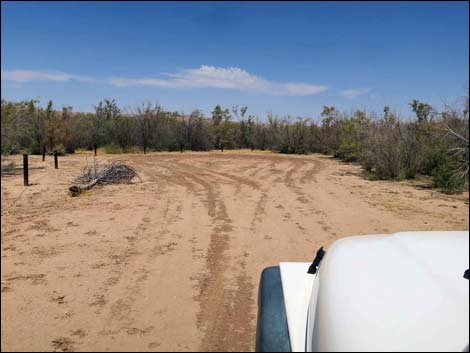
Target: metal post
(95,147)
(43,153)
(56,162)
(25,170)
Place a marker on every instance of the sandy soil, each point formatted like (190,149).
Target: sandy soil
(173,262)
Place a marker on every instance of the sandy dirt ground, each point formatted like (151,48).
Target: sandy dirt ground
(173,262)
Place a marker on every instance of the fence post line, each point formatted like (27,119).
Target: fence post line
(25,170)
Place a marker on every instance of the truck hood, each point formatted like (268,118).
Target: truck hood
(399,292)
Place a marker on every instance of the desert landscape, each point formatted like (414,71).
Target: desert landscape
(172,261)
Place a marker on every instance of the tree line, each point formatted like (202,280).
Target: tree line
(388,147)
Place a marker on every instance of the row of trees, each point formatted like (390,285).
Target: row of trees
(388,147)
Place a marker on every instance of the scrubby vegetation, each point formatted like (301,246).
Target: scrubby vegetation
(433,143)
(8,168)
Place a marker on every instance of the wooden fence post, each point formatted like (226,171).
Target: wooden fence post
(56,161)
(25,170)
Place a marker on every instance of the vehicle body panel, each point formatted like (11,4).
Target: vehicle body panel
(398,292)
(297,288)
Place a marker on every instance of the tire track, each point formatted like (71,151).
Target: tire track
(222,317)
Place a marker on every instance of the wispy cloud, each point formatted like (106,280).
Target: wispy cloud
(21,76)
(202,77)
(353,93)
(219,77)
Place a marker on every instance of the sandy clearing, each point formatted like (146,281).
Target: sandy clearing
(173,263)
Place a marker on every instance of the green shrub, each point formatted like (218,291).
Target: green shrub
(9,167)
(112,148)
(446,177)
(348,151)
(33,148)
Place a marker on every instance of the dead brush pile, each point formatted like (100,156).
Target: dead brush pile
(115,172)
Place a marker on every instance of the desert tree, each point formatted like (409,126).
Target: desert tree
(181,131)
(227,132)
(105,112)
(330,129)
(455,125)
(200,136)
(217,116)
(76,129)
(422,110)
(38,127)
(222,127)
(242,133)
(146,120)
(260,135)
(17,132)
(274,128)
(251,129)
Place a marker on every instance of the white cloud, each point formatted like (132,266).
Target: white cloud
(218,77)
(202,77)
(353,93)
(22,76)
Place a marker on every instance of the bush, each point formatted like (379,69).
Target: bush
(112,148)
(9,149)
(8,168)
(349,144)
(348,151)
(33,148)
(446,178)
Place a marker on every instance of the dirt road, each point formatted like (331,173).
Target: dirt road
(173,263)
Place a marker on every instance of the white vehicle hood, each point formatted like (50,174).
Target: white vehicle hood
(399,292)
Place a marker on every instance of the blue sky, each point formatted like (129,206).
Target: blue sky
(288,57)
